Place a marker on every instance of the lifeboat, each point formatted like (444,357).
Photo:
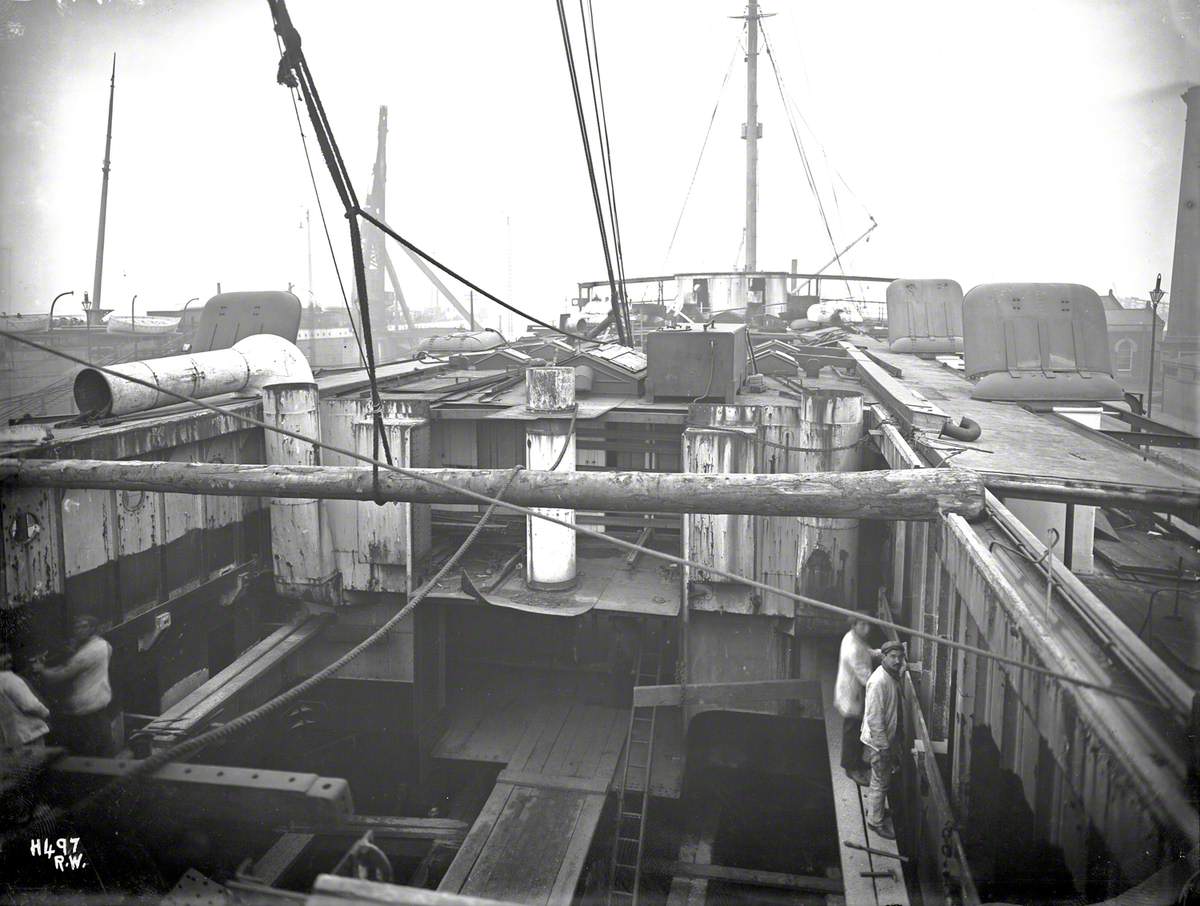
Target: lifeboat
(834,313)
(464,341)
(24,323)
(147,324)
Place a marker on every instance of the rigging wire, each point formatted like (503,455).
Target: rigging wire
(325,225)
(808,173)
(602,536)
(795,108)
(610,182)
(182,749)
(587,152)
(703,145)
(295,73)
(372,219)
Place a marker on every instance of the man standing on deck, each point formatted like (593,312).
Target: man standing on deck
(22,714)
(81,719)
(854,670)
(879,735)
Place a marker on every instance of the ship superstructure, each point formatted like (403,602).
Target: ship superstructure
(556,621)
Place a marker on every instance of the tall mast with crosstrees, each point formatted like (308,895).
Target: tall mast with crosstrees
(752,131)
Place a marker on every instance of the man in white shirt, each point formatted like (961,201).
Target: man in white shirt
(22,714)
(854,669)
(81,718)
(880,716)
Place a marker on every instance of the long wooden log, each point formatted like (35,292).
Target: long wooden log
(895,494)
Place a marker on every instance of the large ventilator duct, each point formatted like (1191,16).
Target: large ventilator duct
(250,364)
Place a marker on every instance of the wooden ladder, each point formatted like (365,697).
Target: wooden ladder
(625,867)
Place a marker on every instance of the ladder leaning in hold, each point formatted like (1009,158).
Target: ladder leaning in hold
(625,867)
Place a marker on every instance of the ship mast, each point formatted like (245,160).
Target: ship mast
(112,89)
(751,132)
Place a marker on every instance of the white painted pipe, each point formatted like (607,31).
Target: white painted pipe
(550,549)
(301,541)
(250,364)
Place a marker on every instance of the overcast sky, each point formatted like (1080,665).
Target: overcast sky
(1026,141)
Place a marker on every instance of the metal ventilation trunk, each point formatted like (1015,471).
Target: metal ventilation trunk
(697,362)
(925,317)
(1037,342)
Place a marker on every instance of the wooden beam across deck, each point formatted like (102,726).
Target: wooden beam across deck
(808,692)
(331,890)
(901,399)
(200,705)
(186,793)
(889,494)
(281,856)
(744,876)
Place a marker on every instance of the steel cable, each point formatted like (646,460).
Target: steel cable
(587,153)
(618,542)
(610,182)
(181,750)
(372,219)
(703,145)
(325,225)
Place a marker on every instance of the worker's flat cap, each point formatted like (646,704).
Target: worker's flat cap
(892,646)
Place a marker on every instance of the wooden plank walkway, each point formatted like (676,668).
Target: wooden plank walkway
(1060,449)
(531,839)
(489,727)
(850,807)
(240,681)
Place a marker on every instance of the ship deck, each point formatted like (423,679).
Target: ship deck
(529,843)
(1017,441)
(607,581)
(489,723)
(858,866)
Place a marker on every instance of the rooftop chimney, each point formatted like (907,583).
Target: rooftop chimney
(1181,345)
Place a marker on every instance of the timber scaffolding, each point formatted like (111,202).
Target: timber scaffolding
(95,525)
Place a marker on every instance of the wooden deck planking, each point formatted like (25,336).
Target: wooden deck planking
(526,847)
(457,738)
(530,841)
(1060,449)
(492,729)
(546,725)
(592,725)
(575,857)
(851,821)
(476,839)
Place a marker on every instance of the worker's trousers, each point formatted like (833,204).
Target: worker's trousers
(852,747)
(882,767)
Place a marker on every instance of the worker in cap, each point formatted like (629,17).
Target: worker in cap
(880,714)
(81,720)
(855,660)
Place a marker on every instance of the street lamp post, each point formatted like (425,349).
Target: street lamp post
(50,324)
(1156,296)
